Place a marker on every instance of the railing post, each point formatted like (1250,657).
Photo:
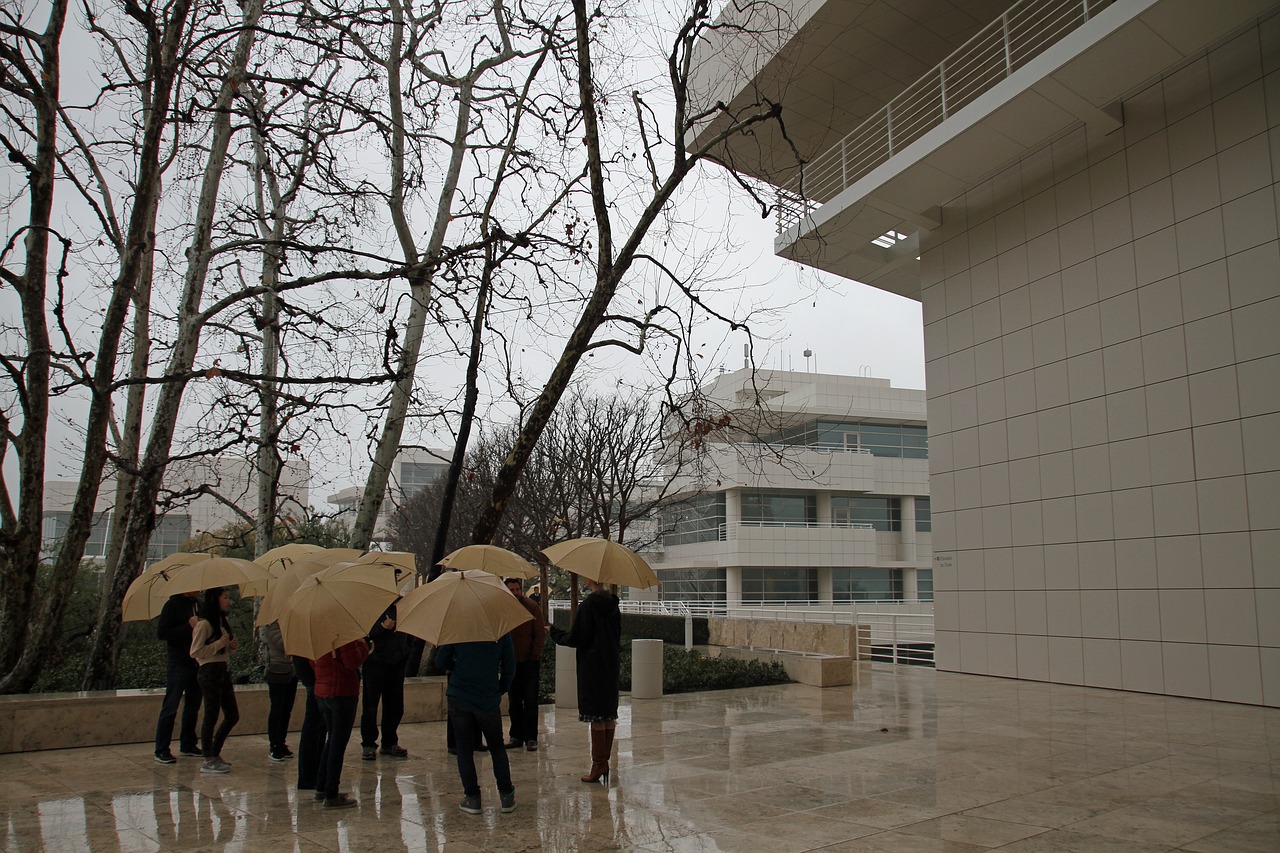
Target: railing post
(844,163)
(893,633)
(1008,54)
(942,85)
(888,124)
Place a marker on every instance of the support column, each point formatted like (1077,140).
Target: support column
(907,503)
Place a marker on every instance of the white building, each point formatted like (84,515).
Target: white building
(415,468)
(814,490)
(199,495)
(1083,195)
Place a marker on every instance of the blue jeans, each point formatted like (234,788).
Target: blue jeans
(180,685)
(467,724)
(311,738)
(339,718)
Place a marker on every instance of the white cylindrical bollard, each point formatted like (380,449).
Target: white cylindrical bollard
(566,677)
(688,632)
(646,669)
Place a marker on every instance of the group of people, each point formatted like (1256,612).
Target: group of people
(199,643)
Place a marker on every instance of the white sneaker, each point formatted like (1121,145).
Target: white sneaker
(215,765)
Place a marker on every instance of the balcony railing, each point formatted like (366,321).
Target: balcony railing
(1022,33)
(728,531)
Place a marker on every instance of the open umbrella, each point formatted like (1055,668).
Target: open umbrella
(277,561)
(460,607)
(403,560)
(174,560)
(279,589)
(603,561)
(491,559)
(334,607)
(149,591)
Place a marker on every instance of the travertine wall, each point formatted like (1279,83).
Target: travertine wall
(1103,353)
(790,636)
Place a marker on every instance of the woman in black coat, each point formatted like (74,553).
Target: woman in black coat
(596,634)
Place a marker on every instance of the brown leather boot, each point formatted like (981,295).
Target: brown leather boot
(599,757)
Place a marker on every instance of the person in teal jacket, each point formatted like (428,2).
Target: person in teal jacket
(479,675)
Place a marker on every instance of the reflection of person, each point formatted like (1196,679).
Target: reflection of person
(338,693)
(479,673)
(522,699)
(384,682)
(596,634)
(211,645)
(282,691)
(177,619)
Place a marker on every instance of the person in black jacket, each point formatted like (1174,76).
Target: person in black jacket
(383,677)
(596,634)
(177,618)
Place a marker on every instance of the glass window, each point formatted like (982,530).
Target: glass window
(884,514)
(905,441)
(866,585)
(171,531)
(54,528)
(760,585)
(416,476)
(924,516)
(692,585)
(924,584)
(698,519)
(779,508)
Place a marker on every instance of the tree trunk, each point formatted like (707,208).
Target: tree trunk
(20,532)
(104,651)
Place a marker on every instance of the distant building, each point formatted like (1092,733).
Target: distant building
(223,482)
(815,491)
(415,468)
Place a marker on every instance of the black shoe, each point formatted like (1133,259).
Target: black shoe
(512,744)
(369,753)
(396,751)
(531,746)
(193,752)
(470,805)
(280,755)
(508,802)
(165,757)
(342,801)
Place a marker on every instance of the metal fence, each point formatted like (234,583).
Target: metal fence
(1026,30)
(902,632)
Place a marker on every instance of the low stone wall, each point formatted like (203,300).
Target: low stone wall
(852,641)
(36,721)
(811,668)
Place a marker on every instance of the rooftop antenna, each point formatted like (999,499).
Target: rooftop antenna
(746,356)
(808,353)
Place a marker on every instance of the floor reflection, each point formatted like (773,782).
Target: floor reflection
(903,760)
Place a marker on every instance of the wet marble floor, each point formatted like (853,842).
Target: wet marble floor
(904,760)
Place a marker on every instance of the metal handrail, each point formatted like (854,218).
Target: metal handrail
(1026,30)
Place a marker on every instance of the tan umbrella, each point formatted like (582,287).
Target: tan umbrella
(603,561)
(148,592)
(491,559)
(277,561)
(279,589)
(460,607)
(334,607)
(174,560)
(403,560)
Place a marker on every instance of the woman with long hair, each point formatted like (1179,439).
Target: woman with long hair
(596,635)
(211,646)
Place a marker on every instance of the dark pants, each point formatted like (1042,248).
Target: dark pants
(215,683)
(522,701)
(382,683)
(311,738)
(469,724)
(282,696)
(339,718)
(180,686)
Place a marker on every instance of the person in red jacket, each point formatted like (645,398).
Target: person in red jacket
(338,692)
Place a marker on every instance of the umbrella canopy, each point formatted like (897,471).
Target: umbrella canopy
(334,607)
(174,560)
(403,560)
(279,589)
(460,607)
(149,591)
(277,561)
(603,561)
(491,559)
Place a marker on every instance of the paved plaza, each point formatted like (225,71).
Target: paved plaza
(905,760)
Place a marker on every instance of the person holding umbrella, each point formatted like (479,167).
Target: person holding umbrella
(522,699)
(596,635)
(479,673)
(384,684)
(177,620)
(337,692)
(211,646)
